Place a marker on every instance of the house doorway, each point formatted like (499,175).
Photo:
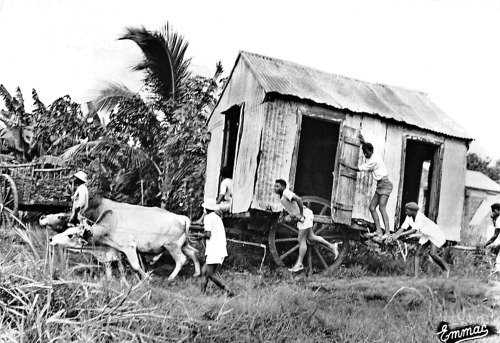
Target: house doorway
(421,177)
(231,133)
(316,158)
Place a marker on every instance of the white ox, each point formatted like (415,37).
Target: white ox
(57,222)
(131,229)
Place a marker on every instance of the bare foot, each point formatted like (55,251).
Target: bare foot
(296,268)
(447,273)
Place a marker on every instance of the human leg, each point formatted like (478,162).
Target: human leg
(302,238)
(418,251)
(373,210)
(438,260)
(212,275)
(204,278)
(382,204)
(497,262)
(318,239)
(209,272)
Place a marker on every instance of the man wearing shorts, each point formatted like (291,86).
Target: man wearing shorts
(215,250)
(494,241)
(376,165)
(298,212)
(429,233)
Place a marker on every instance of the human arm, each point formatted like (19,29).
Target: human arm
(405,229)
(493,238)
(223,190)
(201,235)
(299,202)
(350,166)
(401,233)
(220,198)
(361,138)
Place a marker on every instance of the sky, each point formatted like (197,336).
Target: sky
(448,49)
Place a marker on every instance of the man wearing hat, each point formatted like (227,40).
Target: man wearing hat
(493,241)
(418,225)
(215,250)
(80,198)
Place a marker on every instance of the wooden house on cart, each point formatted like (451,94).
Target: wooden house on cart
(277,119)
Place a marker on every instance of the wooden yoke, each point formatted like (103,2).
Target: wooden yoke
(344,178)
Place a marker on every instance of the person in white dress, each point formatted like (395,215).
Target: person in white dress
(416,224)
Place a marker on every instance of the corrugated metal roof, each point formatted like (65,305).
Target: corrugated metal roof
(477,180)
(403,105)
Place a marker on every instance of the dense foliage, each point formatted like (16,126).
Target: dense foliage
(484,165)
(168,120)
(155,143)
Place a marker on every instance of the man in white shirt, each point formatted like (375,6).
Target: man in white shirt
(305,221)
(80,198)
(494,240)
(215,250)
(376,166)
(428,232)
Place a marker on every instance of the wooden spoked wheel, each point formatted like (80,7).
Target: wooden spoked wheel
(284,246)
(9,201)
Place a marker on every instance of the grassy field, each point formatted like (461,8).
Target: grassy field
(49,296)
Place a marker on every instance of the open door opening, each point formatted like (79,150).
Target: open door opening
(421,176)
(316,158)
(231,132)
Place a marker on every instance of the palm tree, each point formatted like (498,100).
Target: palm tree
(165,120)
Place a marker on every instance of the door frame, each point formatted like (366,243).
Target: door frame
(315,113)
(223,156)
(435,178)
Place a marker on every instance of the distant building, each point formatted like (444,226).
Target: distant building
(480,193)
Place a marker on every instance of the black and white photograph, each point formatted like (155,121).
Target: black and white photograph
(249,171)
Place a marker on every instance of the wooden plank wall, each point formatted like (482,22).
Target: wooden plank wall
(242,88)
(387,140)
(214,152)
(278,141)
(374,131)
(392,158)
(247,158)
(451,201)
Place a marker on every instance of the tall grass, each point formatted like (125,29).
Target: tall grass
(47,295)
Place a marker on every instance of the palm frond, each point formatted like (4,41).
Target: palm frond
(177,45)
(50,159)
(157,61)
(218,70)
(111,151)
(7,98)
(19,97)
(38,105)
(109,96)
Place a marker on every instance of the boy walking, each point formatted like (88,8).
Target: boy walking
(428,231)
(215,250)
(493,240)
(298,212)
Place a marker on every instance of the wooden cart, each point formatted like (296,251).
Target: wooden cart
(336,226)
(32,187)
